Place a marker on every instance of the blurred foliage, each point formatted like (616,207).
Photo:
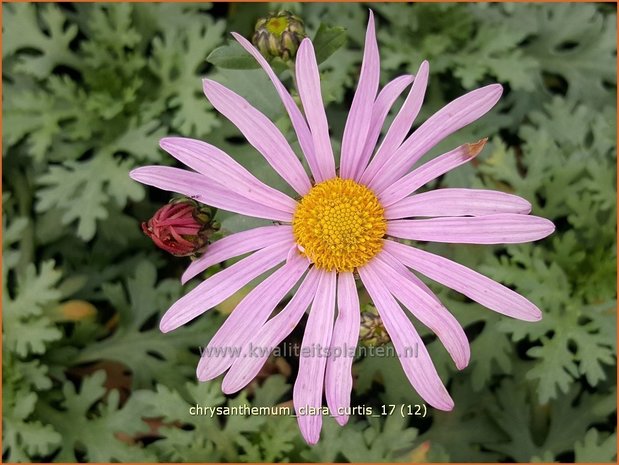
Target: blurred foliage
(88,91)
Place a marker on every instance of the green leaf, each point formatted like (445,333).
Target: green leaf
(82,190)
(578,43)
(271,391)
(51,41)
(214,437)
(255,86)
(41,115)
(273,443)
(536,431)
(90,426)
(556,370)
(495,50)
(595,449)
(571,337)
(24,436)
(89,91)
(377,440)
(180,73)
(328,40)
(380,442)
(25,439)
(25,328)
(463,431)
(338,74)
(490,350)
(141,140)
(232,56)
(150,354)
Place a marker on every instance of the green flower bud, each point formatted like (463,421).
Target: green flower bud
(372,332)
(279,35)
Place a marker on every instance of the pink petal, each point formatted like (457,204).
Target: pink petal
(402,270)
(426,309)
(245,368)
(219,287)
(237,244)
(338,378)
(200,189)
(503,228)
(430,171)
(411,351)
(403,121)
(248,317)
(385,100)
(308,85)
(360,114)
(307,391)
(260,132)
(219,167)
(472,284)
(446,121)
(298,120)
(457,202)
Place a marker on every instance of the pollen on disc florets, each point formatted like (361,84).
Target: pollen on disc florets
(339,225)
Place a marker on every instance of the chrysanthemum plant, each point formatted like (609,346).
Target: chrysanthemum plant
(350,225)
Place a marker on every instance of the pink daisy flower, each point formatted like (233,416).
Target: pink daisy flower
(341,223)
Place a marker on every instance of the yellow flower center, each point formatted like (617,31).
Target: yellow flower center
(276,26)
(339,225)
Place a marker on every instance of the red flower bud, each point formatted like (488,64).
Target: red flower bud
(181,228)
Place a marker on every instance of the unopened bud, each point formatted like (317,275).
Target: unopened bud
(279,35)
(182,227)
(372,332)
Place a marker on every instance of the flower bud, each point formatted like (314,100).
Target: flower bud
(372,332)
(279,35)
(182,227)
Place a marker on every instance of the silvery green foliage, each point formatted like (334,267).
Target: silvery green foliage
(88,91)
